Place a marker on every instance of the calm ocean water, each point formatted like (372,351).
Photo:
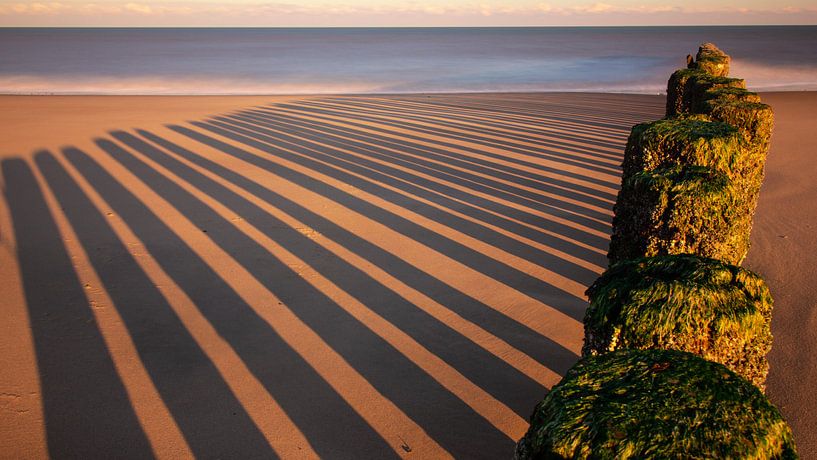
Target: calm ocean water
(371,60)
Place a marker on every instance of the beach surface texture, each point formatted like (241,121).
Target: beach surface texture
(334,276)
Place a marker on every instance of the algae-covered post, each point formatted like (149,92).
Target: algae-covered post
(689,185)
(695,140)
(714,122)
(704,88)
(685,141)
(709,61)
(677,334)
(655,404)
(718,311)
(712,60)
(680,210)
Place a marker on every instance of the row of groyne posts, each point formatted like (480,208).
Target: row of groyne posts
(676,335)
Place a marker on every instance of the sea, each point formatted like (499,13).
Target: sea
(390,60)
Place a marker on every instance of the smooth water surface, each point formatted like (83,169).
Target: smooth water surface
(390,60)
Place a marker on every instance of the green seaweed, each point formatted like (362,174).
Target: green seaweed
(712,121)
(688,140)
(681,210)
(754,119)
(679,91)
(718,311)
(696,140)
(703,91)
(655,404)
(706,87)
(729,93)
(686,88)
(712,60)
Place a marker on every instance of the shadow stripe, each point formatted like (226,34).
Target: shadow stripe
(85,404)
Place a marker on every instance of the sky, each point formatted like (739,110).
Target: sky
(389,13)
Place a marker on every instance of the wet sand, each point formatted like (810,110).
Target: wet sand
(385,276)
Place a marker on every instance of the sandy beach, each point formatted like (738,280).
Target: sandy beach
(333,276)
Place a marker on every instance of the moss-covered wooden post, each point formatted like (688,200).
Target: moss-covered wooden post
(633,404)
(715,310)
(708,61)
(676,336)
(681,210)
(713,122)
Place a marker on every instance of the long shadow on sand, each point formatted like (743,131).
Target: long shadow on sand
(526,164)
(567,159)
(528,156)
(486,130)
(182,373)
(75,366)
(396,377)
(280,369)
(416,192)
(442,166)
(557,298)
(429,170)
(603,111)
(520,336)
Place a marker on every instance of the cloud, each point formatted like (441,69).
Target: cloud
(34,8)
(139,8)
(600,8)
